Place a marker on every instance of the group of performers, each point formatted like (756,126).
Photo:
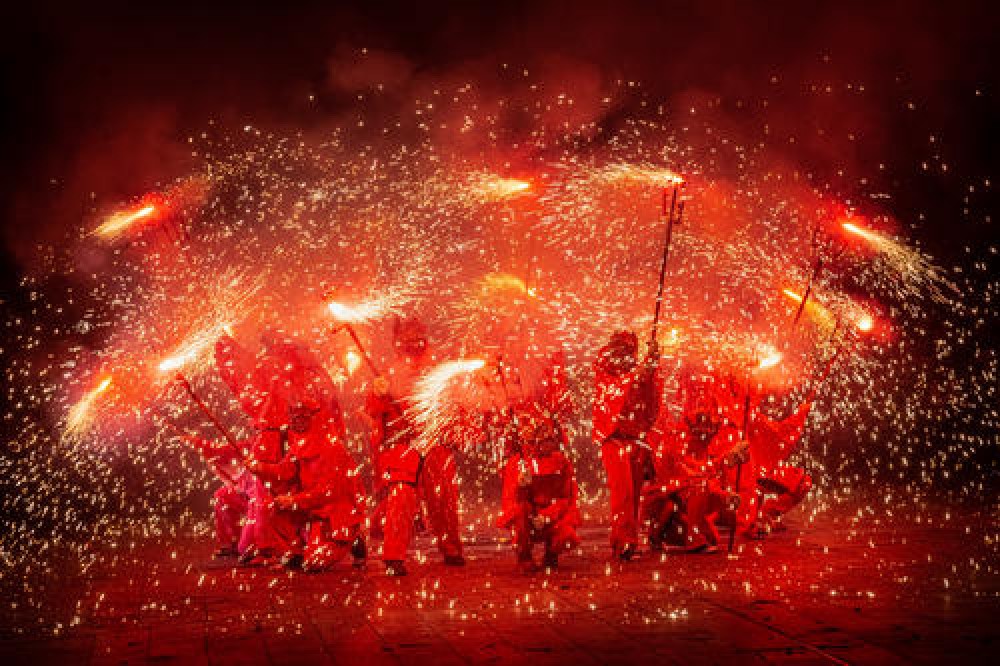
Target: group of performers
(293,496)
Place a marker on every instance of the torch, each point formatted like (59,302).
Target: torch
(347,315)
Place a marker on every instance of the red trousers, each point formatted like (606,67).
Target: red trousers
(325,546)
(230,510)
(624,461)
(700,506)
(437,487)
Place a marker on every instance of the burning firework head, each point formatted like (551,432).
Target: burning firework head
(497,188)
(119,223)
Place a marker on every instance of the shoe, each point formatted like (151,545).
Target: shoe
(550,561)
(395,568)
(359,551)
(454,560)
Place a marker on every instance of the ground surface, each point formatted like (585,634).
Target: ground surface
(852,586)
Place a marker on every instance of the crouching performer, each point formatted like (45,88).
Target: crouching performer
(688,495)
(324,489)
(539,503)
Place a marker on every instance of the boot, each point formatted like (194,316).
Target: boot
(395,568)
(359,551)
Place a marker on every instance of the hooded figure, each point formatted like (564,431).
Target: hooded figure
(539,503)
(625,407)
(402,476)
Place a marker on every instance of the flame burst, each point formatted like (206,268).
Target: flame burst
(81,414)
(117,224)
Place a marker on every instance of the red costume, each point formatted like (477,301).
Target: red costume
(325,488)
(771,443)
(692,458)
(539,492)
(402,476)
(624,409)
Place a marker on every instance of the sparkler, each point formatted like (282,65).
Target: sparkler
(117,224)
(496,188)
(501,281)
(348,315)
(816,309)
(643,173)
(916,272)
(432,403)
(193,349)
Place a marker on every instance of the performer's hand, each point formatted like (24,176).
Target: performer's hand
(380,386)
(284,503)
(653,354)
(539,521)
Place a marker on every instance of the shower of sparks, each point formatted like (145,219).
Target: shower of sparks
(194,350)
(639,173)
(79,418)
(433,401)
(917,272)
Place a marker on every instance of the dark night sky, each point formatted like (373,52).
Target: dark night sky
(100,97)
